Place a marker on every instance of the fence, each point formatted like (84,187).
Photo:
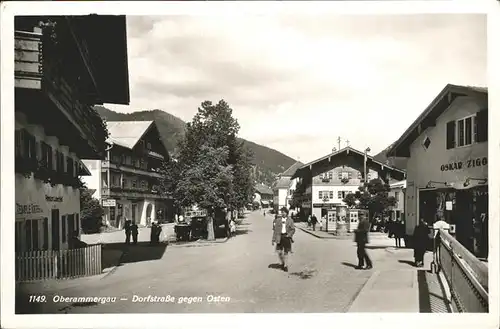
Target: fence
(466,276)
(60,264)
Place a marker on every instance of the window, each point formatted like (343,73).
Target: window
(349,175)
(339,195)
(144,185)
(331,194)
(330,175)
(468,130)
(320,194)
(465,131)
(47,155)
(19,143)
(77,222)
(63,227)
(31,235)
(19,234)
(115,159)
(69,166)
(360,175)
(60,162)
(396,196)
(134,183)
(45,245)
(340,175)
(115,180)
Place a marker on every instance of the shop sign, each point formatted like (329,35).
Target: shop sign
(26,209)
(109,203)
(470,163)
(49,198)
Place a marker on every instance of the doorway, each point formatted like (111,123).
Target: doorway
(55,229)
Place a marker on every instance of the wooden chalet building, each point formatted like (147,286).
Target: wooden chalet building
(63,66)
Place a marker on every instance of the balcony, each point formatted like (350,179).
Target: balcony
(128,169)
(132,193)
(52,95)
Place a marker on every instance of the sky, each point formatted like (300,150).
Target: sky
(298,82)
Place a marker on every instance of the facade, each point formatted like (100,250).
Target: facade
(284,187)
(323,183)
(398,190)
(263,195)
(126,180)
(447,147)
(55,124)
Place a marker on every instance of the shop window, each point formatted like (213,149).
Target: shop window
(45,245)
(19,236)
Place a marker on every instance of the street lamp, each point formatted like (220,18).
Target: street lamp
(366,158)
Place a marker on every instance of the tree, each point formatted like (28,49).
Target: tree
(91,212)
(374,196)
(213,169)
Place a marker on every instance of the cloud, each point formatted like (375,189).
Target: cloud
(296,82)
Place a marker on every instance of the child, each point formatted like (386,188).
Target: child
(232,227)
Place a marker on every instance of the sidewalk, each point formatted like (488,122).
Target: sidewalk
(331,235)
(396,286)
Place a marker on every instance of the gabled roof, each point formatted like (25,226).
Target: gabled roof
(345,151)
(127,133)
(83,170)
(292,169)
(262,189)
(428,117)
(282,183)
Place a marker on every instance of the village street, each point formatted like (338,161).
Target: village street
(242,271)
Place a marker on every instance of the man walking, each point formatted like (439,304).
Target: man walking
(420,241)
(361,237)
(314,221)
(283,231)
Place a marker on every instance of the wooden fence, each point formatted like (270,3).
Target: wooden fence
(60,264)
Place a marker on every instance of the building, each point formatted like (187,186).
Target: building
(263,195)
(323,183)
(60,73)
(447,151)
(127,180)
(284,187)
(397,191)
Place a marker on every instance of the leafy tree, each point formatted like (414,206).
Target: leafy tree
(213,169)
(374,196)
(91,212)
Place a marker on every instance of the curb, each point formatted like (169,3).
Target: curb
(347,237)
(364,288)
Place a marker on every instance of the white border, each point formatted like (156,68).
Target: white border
(9,9)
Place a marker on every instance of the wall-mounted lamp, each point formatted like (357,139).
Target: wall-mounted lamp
(481,181)
(431,182)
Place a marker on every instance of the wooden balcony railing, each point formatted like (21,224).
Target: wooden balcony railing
(106,164)
(117,192)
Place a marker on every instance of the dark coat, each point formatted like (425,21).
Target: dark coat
(361,233)
(277,226)
(420,237)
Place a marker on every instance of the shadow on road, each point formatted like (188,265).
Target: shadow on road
(349,264)
(275,266)
(140,252)
(376,247)
(305,274)
(242,231)
(408,262)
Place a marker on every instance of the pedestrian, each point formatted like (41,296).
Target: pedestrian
(314,221)
(283,231)
(157,232)
(232,227)
(441,224)
(135,232)
(309,221)
(264,213)
(153,235)
(361,238)
(398,230)
(420,241)
(127,231)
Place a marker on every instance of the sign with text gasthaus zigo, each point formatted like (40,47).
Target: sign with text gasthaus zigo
(109,203)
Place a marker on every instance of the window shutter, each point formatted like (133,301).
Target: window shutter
(50,157)
(450,135)
(18,143)
(482,125)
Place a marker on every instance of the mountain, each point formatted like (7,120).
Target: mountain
(400,163)
(268,161)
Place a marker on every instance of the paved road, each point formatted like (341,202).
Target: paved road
(321,277)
